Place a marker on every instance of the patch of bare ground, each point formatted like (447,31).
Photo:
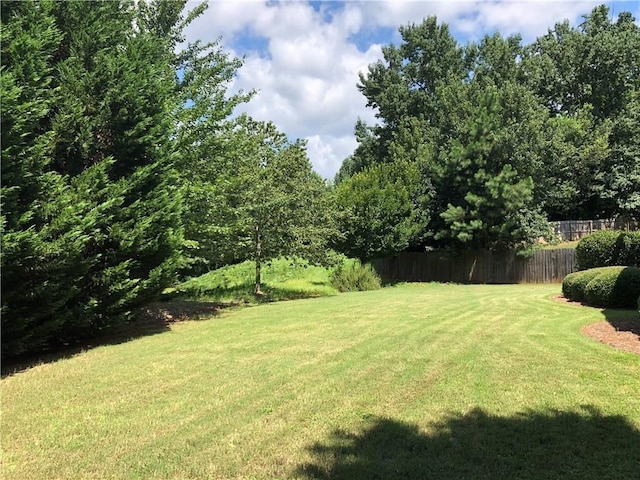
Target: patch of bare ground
(623,334)
(180,310)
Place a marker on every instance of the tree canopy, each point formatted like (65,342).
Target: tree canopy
(505,136)
(123,169)
(91,226)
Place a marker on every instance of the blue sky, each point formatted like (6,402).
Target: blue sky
(304,57)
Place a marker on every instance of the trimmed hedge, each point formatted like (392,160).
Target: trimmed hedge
(608,248)
(608,287)
(574,284)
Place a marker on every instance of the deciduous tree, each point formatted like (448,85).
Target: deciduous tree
(278,206)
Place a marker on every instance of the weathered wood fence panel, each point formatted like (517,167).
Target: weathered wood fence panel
(545,266)
(570,230)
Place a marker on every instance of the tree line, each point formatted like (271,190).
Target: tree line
(479,145)
(125,170)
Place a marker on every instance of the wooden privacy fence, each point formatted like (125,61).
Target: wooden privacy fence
(545,266)
(570,230)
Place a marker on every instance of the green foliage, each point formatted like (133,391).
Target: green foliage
(609,287)
(623,175)
(505,135)
(486,198)
(593,63)
(627,249)
(364,156)
(276,204)
(207,145)
(574,284)
(46,225)
(573,186)
(248,191)
(596,249)
(608,248)
(614,287)
(91,217)
(461,118)
(378,211)
(591,69)
(284,279)
(113,163)
(354,276)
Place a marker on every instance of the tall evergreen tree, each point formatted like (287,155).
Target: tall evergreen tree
(101,76)
(42,237)
(488,204)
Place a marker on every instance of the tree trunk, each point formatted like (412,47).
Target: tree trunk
(258,254)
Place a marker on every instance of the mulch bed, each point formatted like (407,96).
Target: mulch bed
(623,334)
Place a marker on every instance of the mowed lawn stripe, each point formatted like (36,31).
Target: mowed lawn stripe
(249,393)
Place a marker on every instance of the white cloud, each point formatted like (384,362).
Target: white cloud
(305,63)
(329,151)
(530,19)
(222,18)
(306,79)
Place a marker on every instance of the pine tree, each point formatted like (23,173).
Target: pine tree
(489,205)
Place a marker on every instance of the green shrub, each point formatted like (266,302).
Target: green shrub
(353,276)
(596,250)
(574,284)
(608,248)
(614,287)
(628,245)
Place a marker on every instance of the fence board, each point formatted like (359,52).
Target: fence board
(545,266)
(570,230)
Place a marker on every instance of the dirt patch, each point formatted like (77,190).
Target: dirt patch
(620,334)
(562,299)
(181,310)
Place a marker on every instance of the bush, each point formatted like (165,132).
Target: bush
(353,276)
(608,248)
(629,248)
(574,284)
(614,287)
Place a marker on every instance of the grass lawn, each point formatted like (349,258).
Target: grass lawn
(564,244)
(424,381)
(282,279)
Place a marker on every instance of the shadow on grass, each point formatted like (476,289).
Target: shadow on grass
(534,445)
(627,291)
(623,320)
(153,319)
